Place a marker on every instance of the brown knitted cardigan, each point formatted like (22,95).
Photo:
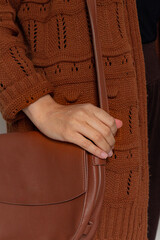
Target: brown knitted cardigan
(46,47)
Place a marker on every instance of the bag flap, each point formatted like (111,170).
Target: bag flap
(37,170)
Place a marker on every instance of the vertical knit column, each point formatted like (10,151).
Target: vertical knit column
(123,223)
(129,222)
(141,83)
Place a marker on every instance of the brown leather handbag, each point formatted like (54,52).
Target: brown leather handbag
(52,190)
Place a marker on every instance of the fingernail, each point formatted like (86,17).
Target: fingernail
(119,123)
(104,155)
(110,153)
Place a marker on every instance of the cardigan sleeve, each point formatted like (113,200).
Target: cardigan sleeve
(20,83)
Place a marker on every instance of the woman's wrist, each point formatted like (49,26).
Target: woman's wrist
(38,110)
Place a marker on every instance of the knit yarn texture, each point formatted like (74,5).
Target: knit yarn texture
(46,48)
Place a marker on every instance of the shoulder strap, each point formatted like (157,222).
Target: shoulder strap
(102,91)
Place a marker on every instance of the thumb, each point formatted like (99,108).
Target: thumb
(119,123)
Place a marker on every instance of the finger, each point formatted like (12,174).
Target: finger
(102,128)
(95,136)
(112,122)
(106,118)
(86,144)
(119,123)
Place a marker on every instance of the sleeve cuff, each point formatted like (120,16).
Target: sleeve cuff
(20,95)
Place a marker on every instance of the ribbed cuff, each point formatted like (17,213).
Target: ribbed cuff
(21,95)
(128,222)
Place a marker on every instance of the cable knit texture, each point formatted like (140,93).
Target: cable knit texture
(46,48)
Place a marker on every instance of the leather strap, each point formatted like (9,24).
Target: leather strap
(102,91)
(101,82)
(98,161)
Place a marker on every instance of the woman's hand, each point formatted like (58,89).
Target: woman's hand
(86,125)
